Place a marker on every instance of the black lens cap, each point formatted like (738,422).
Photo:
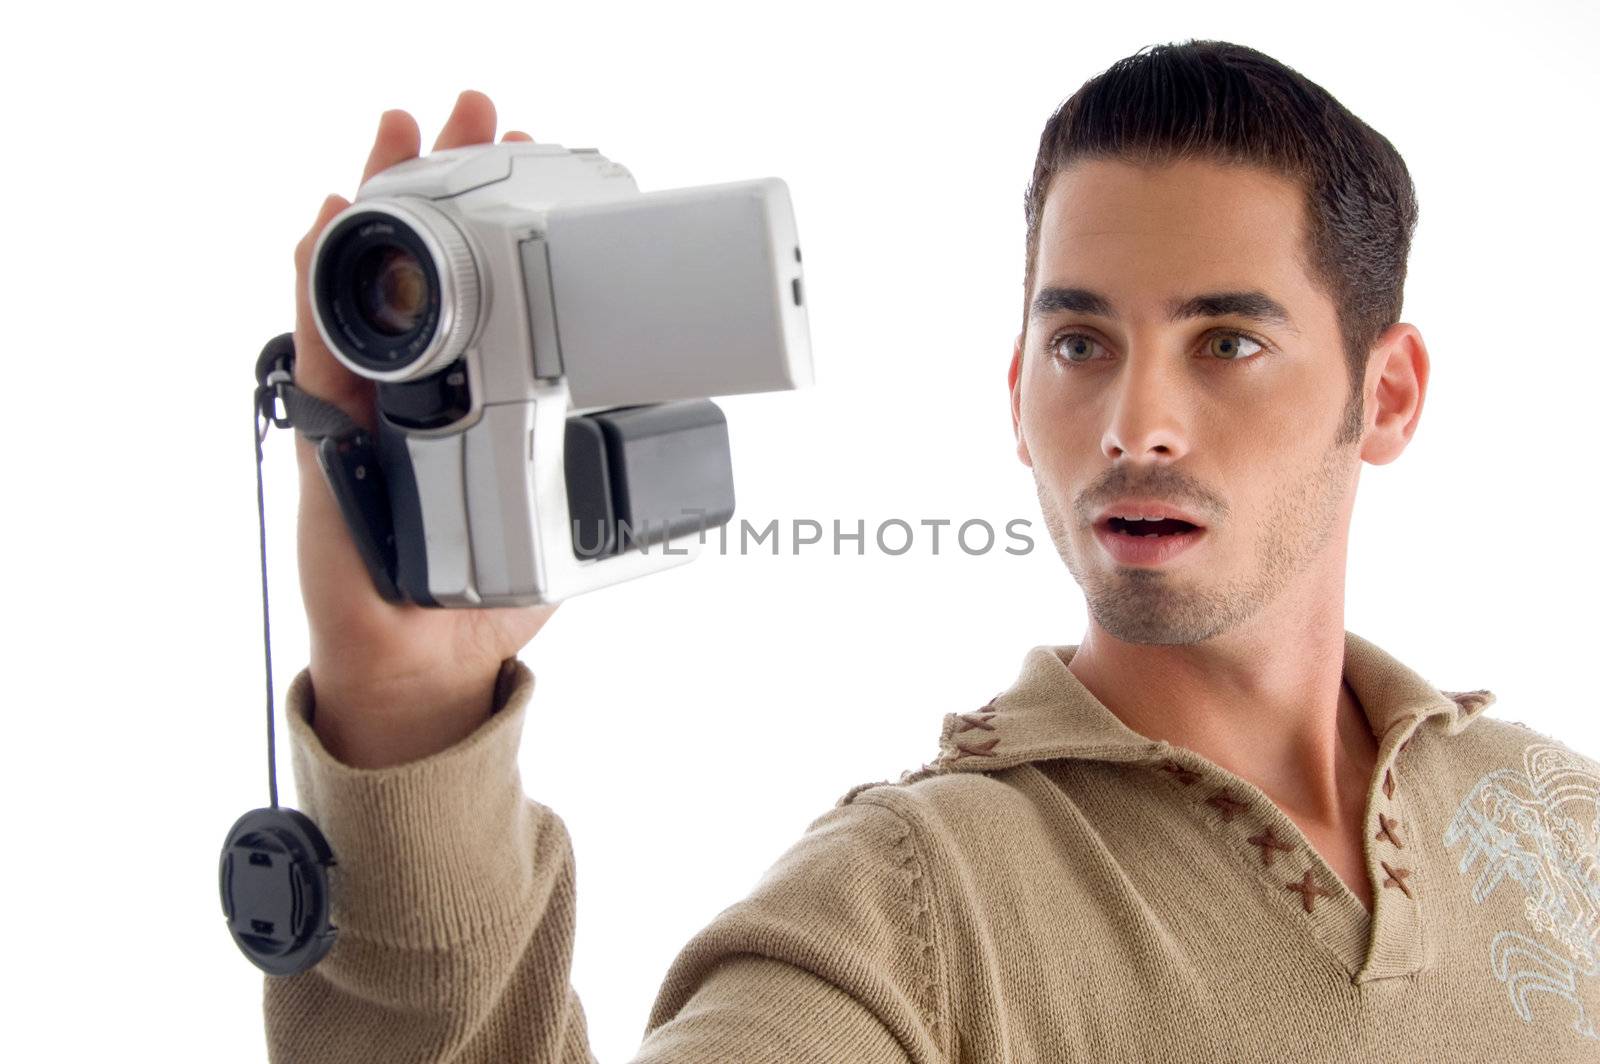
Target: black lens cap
(274,881)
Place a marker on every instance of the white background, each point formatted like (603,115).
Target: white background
(162,162)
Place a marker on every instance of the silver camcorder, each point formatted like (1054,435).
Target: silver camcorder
(544,340)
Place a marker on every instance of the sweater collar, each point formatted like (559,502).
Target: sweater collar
(1047,713)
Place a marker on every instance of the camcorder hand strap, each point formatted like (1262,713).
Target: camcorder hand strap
(347,454)
(313,418)
(273,873)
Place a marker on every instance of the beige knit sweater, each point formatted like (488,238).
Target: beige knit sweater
(1052,887)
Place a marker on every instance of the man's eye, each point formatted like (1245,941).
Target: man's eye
(1074,347)
(1232,347)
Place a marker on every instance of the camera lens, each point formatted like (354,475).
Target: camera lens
(394,289)
(391,289)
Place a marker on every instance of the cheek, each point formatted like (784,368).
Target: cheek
(1059,431)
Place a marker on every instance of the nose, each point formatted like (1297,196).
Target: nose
(1146,414)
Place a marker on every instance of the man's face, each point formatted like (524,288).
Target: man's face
(1220,412)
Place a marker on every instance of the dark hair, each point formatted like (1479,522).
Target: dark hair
(1225,102)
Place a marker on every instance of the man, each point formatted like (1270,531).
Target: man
(1220,828)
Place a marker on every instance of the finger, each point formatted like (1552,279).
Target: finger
(316,371)
(471,122)
(302,251)
(397,140)
(516,134)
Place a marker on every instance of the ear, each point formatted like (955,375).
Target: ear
(1014,382)
(1396,383)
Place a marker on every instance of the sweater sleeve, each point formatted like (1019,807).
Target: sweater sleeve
(454,902)
(832,958)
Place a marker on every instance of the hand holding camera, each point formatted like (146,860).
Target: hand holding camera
(394,681)
(529,345)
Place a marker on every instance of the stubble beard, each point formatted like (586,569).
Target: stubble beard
(1153,606)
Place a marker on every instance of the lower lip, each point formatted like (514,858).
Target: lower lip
(1145,550)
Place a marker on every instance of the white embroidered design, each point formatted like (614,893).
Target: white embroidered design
(1540,829)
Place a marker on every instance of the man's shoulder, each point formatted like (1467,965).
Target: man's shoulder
(924,787)
(1497,751)
(955,811)
(1494,735)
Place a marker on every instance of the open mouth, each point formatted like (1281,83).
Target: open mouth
(1141,528)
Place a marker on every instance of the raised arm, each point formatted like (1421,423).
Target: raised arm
(455,907)
(453,892)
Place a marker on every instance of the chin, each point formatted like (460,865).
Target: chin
(1143,606)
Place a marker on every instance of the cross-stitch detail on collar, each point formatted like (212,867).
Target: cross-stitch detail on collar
(1309,891)
(1226,804)
(1185,776)
(1048,714)
(1227,807)
(1396,877)
(1270,845)
(1536,831)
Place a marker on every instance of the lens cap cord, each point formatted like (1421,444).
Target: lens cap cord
(273,873)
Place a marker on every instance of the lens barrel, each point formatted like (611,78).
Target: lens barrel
(394,289)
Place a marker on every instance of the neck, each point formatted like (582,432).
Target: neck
(1266,701)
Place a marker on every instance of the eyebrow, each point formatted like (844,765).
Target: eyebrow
(1254,305)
